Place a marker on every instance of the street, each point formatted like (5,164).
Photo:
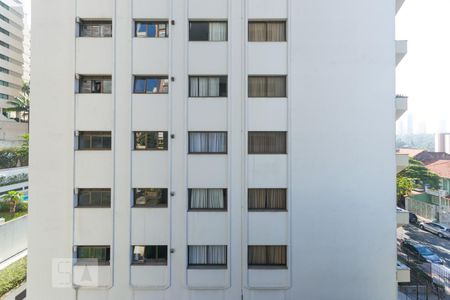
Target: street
(439,245)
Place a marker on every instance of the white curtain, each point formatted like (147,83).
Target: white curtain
(257,86)
(217,142)
(215,198)
(199,198)
(198,142)
(198,255)
(217,255)
(203,86)
(257,32)
(193,87)
(217,31)
(214,86)
(276,31)
(276,86)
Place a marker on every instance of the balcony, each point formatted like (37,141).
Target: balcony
(398,5)
(402,161)
(402,217)
(401,106)
(403,273)
(401,48)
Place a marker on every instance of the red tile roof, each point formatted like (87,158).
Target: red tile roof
(440,167)
(411,152)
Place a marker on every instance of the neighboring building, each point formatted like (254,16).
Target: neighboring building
(11,68)
(192,158)
(442,142)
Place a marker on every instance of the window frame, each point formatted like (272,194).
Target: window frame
(225,201)
(266,190)
(207,265)
(147,23)
(146,79)
(220,77)
(105,262)
(165,140)
(269,153)
(103,134)
(207,22)
(266,22)
(208,153)
(267,265)
(149,262)
(90,190)
(101,78)
(164,196)
(266,92)
(94,23)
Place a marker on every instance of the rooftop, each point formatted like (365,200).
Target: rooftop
(440,167)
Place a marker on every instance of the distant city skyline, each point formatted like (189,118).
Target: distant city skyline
(423,73)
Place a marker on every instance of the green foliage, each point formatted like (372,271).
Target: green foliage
(404,187)
(13,276)
(23,149)
(13,198)
(417,172)
(12,157)
(8,180)
(21,103)
(22,206)
(9,217)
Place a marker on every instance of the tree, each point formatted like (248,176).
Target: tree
(405,186)
(417,172)
(13,198)
(21,104)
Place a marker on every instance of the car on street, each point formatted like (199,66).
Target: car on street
(421,252)
(438,229)
(412,218)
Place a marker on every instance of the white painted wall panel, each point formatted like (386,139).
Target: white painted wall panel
(101,276)
(207,279)
(149,226)
(150,9)
(267,171)
(93,226)
(150,56)
(267,9)
(99,9)
(94,56)
(150,112)
(93,169)
(269,278)
(210,113)
(208,9)
(150,169)
(207,228)
(267,114)
(267,58)
(208,58)
(94,112)
(143,276)
(268,228)
(207,170)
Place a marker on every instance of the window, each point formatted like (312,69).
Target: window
(207,31)
(150,140)
(208,199)
(152,29)
(94,140)
(93,255)
(207,86)
(260,31)
(150,197)
(149,255)
(262,142)
(96,29)
(267,199)
(207,256)
(94,198)
(266,256)
(267,86)
(208,142)
(151,85)
(95,85)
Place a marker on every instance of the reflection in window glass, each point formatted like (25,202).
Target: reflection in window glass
(150,197)
(152,29)
(151,85)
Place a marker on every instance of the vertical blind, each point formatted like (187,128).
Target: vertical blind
(266,31)
(207,86)
(262,142)
(267,86)
(267,199)
(207,199)
(207,142)
(207,255)
(267,255)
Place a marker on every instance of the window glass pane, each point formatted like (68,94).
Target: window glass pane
(223,87)
(197,255)
(97,142)
(94,140)
(257,86)
(217,31)
(256,199)
(139,85)
(257,32)
(107,86)
(276,86)
(217,255)
(151,140)
(150,197)
(217,142)
(267,143)
(257,255)
(84,142)
(276,31)
(152,30)
(141,29)
(214,87)
(198,142)
(198,198)
(153,86)
(193,87)
(84,198)
(198,31)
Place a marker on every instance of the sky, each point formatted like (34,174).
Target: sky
(424,73)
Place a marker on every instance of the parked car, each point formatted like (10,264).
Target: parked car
(412,218)
(439,229)
(421,252)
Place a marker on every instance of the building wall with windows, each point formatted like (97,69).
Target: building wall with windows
(191,146)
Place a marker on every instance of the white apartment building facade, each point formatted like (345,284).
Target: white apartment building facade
(213,149)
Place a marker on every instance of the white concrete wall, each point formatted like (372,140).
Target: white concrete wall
(13,237)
